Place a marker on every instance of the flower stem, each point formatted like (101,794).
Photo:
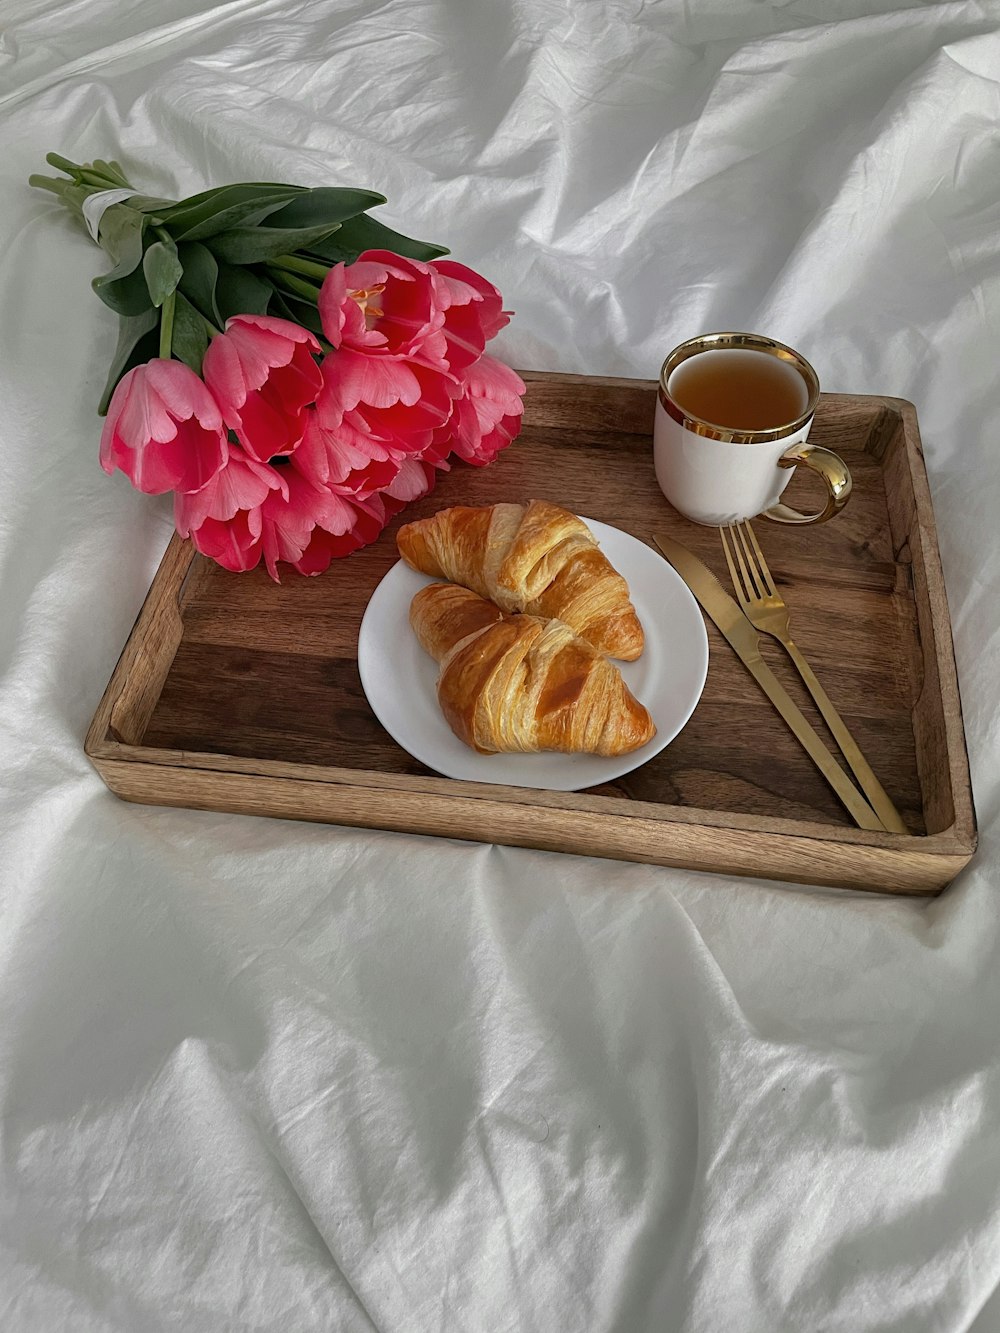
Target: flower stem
(87,176)
(293,264)
(73,196)
(112,173)
(167,326)
(62,163)
(307,290)
(50,183)
(97,174)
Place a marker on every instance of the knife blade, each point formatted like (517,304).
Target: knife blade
(744,640)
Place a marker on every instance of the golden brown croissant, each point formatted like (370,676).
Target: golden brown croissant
(535,558)
(520,684)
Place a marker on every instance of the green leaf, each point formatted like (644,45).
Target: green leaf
(249,214)
(365,233)
(190,337)
(215,211)
(254,245)
(126,296)
(201,273)
(326,204)
(162,269)
(233,193)
(288,306)
(239,291)
(123,287)
(146,203)
(122,237)
(131,330)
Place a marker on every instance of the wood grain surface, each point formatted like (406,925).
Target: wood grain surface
(235,666)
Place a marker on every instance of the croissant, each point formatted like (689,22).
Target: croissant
(513,684)
(535,558)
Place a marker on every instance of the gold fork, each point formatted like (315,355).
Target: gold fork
(764,608)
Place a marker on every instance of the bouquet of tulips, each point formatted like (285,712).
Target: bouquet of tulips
(290,368)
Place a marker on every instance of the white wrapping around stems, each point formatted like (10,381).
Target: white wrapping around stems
(95,204)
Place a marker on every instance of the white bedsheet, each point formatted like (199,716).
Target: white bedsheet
(268,1076)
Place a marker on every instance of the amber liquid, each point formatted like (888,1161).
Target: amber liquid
(739,389)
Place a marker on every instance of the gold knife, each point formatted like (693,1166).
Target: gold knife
(744,640)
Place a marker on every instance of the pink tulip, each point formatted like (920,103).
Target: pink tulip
(278,516)
(488,414)
(473,312)
(400,403)
(337,454)
(383,304)
(440,314)
(368,519)
(262,373)
(233,543)
(363,434)
(224,518)
(309,526)
(163,429)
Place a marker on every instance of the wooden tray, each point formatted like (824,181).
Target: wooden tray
(236,694)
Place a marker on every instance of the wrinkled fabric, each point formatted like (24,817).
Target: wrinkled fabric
(258,1075)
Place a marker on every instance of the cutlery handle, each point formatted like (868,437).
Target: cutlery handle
(808,737)
(858,764)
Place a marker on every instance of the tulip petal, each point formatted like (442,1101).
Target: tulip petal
(350,378)
(144,415)
(343,458)
(488,415)
(223,371)
(266,432)
(263,375)
(182,392)
(242,484)
(163,430)
(233,545)
(414,480)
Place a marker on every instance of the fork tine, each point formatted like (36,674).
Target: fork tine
(737,584)
(746,564)
(765,572)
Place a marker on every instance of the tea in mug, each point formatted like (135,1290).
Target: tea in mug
(739,389)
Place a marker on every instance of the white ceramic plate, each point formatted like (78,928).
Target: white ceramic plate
(400,679)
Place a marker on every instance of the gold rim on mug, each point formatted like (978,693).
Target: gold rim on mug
(754,342)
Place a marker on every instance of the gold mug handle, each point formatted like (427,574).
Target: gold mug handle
(830,467)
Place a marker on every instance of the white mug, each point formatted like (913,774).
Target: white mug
(718,475)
